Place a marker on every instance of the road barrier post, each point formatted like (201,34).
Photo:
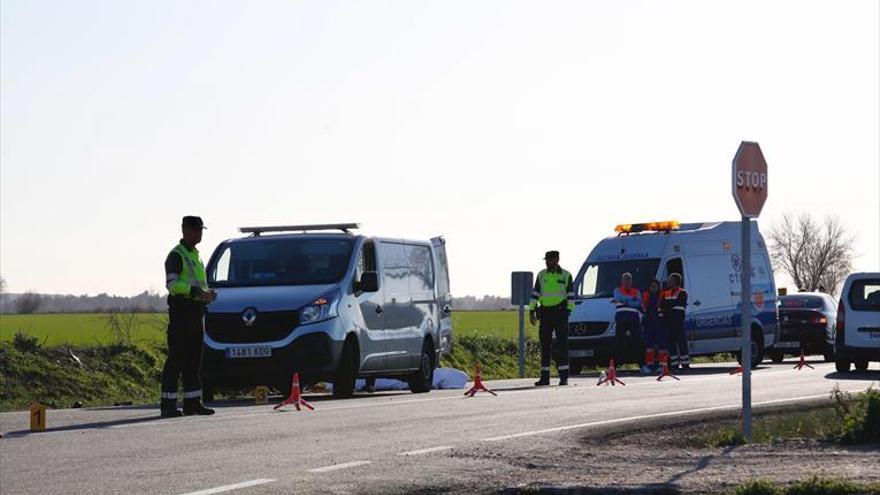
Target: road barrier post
(38,417)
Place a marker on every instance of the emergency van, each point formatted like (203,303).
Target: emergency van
(707,255)
(333,306)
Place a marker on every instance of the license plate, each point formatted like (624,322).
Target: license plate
(581,353)
(788,345)
(248,352)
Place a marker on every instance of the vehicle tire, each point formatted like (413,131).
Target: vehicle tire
(776,356)
(346,372)
(757,349)
(828,355)
(207,392)
(422,380)
(841,364)
(575,369)
(861,365)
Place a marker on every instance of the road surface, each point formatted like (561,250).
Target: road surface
(385,442)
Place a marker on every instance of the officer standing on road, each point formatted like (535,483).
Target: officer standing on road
(627,318)
(673,303)
(188,294)
(555,294)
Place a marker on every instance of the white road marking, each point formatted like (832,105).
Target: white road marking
(336,467)
(427,451)
(229,488)
(645,416)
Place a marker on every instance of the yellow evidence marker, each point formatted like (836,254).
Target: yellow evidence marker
(38,417)
(261,395)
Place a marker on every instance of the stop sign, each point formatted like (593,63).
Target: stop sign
(749,179)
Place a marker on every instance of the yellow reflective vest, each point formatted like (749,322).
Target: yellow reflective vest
(552,289)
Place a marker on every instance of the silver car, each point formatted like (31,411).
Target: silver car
(331,306)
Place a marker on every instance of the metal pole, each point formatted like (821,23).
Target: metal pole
(522,342)
(746,297)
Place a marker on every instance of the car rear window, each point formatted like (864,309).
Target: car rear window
(800,302)
(864,295)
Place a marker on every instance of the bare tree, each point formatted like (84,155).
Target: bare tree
(28,303)
(816,255)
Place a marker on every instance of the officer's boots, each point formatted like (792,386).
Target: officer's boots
(194,406)
(545,379)
(563,378)
(169,408)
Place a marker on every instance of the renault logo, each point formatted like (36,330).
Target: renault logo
(249,316)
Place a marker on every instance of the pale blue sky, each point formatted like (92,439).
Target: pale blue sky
(468,119)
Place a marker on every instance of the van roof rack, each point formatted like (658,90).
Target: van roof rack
(256,231)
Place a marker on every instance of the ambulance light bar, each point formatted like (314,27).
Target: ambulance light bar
(345,227)
(632,228)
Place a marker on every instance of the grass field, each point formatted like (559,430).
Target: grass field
(87,329)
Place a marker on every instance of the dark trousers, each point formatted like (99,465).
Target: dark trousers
(186,326)
(654,335)
(678,344)
(627,340)
(554,321)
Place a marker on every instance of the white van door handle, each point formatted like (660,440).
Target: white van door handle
(447,309)
(379,309)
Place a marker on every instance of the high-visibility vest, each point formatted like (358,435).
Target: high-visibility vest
(192,273)
(552,289)
(673,304)
(627,301)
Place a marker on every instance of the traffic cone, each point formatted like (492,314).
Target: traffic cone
(295,396)
(610,376)
(664,365)
(802,363)
(736,371)
(478,384)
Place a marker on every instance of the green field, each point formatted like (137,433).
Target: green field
(89,329)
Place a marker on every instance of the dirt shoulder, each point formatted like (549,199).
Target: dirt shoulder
(659,457)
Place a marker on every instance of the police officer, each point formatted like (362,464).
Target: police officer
(555,294)
(188,294)
(673,303)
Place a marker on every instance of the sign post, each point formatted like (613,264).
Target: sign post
(749,183)
(520,289)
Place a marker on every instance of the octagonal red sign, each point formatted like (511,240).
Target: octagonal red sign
(749,179)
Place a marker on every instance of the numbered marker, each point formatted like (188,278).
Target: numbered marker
(261,395)
(38,417)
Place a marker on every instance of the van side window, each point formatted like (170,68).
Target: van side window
(366,260)
(675,266)
(421,269)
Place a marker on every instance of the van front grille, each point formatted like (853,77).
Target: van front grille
(268,326)
(587,328)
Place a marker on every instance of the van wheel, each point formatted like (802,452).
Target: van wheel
(422,380)
(776,356)
(828,355)
(861,365)
(575,369)
(841,365)
(757,349)
(346,374)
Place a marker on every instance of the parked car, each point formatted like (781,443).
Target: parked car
(857,340)
(806,323)
(331,306)
(707,255)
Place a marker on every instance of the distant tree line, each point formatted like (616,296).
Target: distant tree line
(32,302)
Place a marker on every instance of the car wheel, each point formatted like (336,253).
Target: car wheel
(575,369)
(841,365)
(776,356)
(861,365)
(346,373)
(422,380)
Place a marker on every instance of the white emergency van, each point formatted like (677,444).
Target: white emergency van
(707,255)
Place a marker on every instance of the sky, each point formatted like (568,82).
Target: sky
(511,128)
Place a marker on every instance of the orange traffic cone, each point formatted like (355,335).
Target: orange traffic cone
(478,383)
(664,365)
(610,376)
(295,396)
(802,363)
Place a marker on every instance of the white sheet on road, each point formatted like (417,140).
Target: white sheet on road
(444,378)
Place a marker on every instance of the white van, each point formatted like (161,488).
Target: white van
(857,339)
(708,257)
(331,306)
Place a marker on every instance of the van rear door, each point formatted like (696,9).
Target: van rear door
(444,295)
(863,313)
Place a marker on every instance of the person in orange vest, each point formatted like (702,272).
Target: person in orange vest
(627,317)
(656,340)
(672,306)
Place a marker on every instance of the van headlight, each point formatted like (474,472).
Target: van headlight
(323,308)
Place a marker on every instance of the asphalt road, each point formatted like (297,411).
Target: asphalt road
(385,442)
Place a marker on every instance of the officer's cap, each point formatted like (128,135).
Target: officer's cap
(193,222)
(551,255)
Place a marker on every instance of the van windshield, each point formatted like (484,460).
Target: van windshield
(280,262)
(599,279)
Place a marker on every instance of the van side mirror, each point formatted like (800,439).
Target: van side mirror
(369,282)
